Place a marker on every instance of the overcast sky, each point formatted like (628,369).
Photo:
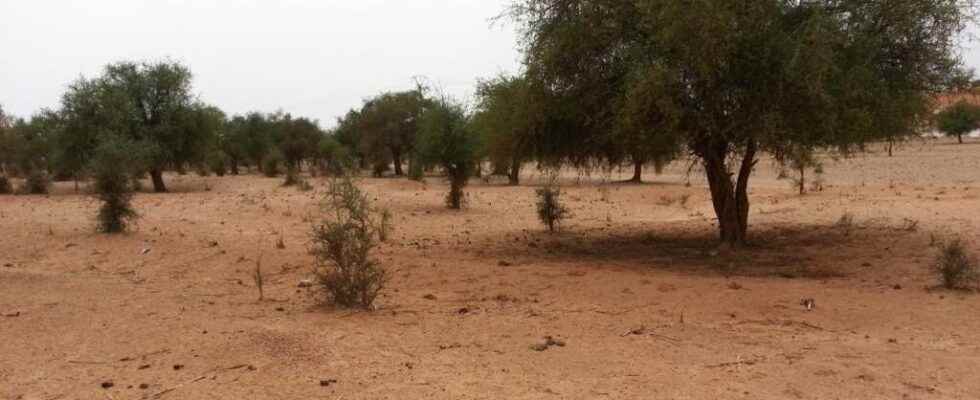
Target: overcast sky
(315,58)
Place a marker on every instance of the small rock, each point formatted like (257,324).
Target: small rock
(144,366)
(107,384)
(429,296)
(463,311)
(305,283)
(897,287)
(12,315)
(327,382)
(280,309)
(178,367)
(144,386)
(504,263)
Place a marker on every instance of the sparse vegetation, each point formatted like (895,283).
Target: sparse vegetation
(551,210)
(343,243)
(37,181)
(956,266)
(448,141)
(111,167)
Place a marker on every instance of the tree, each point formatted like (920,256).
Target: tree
(249,138)
(959,119)
(735,79)
(447,139)
(388,125)
(503,120)
(147,103)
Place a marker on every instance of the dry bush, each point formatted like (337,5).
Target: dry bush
(386,224)
(551,211)
(342,244)
(956,267)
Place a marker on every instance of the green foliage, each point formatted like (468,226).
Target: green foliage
(248,139)
(149,103)
(551,211)
(956,267)
(959,119)
(297,138)
(447,140)
(799,160)
(503,120)
(388,125)
(112,167)
(334,157)
(730,80)
(342,244)
(217,162)
(271,163)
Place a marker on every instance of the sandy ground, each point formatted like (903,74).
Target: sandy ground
(472,292)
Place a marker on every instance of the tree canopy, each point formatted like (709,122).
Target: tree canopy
(734,79)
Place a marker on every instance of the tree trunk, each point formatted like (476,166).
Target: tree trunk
(396,157)
(802,181)
(891,144)
(514,175)
(730,199)
(158,185)
(637,172)
(960,137)
(234,166)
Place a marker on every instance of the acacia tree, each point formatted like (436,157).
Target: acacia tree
(959,119)
(147,103)
(735,79)
(446,138)
(388,126)
(503,120)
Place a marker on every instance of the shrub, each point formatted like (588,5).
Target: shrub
(292,177)
(5,187)
(956,267)
(37,181)
(111,167)
(342,244)
(270,164)
(385,225)
(218,163)
(550,209)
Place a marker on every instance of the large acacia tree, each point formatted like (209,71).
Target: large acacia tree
(734,79)
(149,103)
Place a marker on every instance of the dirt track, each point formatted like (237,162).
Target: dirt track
(78,309)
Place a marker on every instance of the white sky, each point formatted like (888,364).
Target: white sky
(311,58)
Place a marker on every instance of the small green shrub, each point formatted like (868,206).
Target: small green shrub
(342,244)
(111,168)
(956,267)
(218,163)
(551,211)
(271,163)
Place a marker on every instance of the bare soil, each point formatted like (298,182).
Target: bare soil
(634,293)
